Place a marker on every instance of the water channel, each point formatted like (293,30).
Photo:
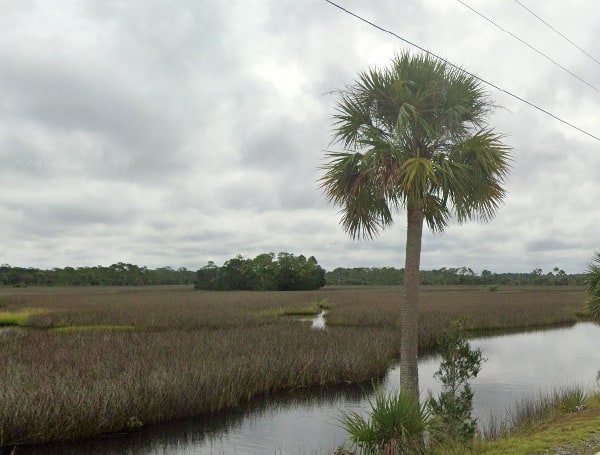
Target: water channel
(304,422)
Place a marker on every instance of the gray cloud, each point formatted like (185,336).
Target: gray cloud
(171,134)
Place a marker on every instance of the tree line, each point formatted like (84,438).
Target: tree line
(269,272)
(119,274)
(450,276)
(266,272)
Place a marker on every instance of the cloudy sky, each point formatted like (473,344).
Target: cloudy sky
(176,132)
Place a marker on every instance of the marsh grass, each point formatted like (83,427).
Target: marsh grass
(20,318)
(311,310)
(198,352)
(571,399)
(74,382)
(286,311)
(507,308)
(92,328)
(529,411)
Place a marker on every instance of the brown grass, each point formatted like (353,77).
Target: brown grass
(194,352)
(508,308)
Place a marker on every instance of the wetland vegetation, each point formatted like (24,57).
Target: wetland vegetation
(96,360)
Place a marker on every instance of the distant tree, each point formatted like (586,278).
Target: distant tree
(119,274)
(486,277)
(265,271)
(561,278)
(206,276)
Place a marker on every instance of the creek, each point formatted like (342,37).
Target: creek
(518,365)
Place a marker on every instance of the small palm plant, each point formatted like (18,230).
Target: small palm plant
(592,282)
(395,425)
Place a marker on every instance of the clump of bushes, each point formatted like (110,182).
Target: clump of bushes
(265,272)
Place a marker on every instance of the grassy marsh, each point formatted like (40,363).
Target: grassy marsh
(20,318)
(507,308)
(114,356)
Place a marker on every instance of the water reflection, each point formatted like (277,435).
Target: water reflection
(319,321)
(521,365)
(304,421)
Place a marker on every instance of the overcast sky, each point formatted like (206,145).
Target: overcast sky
(176,132)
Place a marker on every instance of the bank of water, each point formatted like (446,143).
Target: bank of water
(304,422)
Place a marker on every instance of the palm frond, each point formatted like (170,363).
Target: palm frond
(436,213)
(592,282)
(352,186)
(486,162)
(395,422)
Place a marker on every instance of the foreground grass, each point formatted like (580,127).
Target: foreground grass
(98,360)
(71,385)
(570,431)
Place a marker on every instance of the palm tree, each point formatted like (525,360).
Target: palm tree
(415,138)
(593,286)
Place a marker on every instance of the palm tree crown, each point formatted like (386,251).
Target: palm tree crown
(414,135)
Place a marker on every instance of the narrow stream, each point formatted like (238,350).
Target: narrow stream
(519,365)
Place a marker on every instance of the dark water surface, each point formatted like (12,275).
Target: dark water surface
(304,422)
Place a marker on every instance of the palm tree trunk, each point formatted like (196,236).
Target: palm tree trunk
(409,316)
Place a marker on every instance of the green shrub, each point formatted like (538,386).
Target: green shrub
(452,409)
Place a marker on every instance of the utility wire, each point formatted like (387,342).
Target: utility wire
(550,59)
(372,24)
(556,31)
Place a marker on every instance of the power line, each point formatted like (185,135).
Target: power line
(461,69)
(550,59)
(557,32)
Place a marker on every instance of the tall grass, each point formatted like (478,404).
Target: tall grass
(534,409)
(508,308)
(71,385)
